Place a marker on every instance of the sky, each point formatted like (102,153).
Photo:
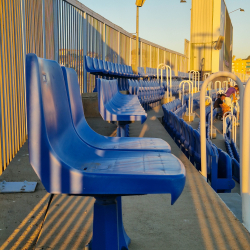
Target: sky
(167,22)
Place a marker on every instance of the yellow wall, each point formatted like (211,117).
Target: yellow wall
(241,66)
(209,20)
(201,33)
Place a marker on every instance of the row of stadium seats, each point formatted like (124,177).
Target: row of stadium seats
(134,85)
(219,164)
(114,106)
(183,75)
(104,68)
(148,95)
(176,86)
(152,72)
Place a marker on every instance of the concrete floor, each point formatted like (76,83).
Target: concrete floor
(198,220)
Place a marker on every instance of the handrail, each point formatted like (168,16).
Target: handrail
(233,120)
(183,84)
(209,88)
(238,111)
(163,65)
(224,123)
(245,156)
(226,82)
(203,115)
(234,123)
(219,85)
(211,114)
(206,75)
(194,76)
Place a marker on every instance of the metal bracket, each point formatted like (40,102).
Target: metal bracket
(17,187)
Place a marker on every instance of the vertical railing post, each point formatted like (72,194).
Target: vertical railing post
(150,49)
(158,56)
(103,41)
(140,54)
(85,23)
(118,47)
(176,65)
(44,29)
(170,60)
(211,115)
(245,158)
(24,63)
(23,34)
(56,32)
(130,52)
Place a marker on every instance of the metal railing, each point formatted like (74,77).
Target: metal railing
(65,31)
(12,81)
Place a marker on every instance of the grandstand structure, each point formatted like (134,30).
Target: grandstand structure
(210,22)
(104,181)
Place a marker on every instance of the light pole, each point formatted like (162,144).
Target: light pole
(236,10)
(138,4)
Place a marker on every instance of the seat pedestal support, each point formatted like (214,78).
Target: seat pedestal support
(124,240)
(121,131)
(105,224)
(121,128)
(108,229)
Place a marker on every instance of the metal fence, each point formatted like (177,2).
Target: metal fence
(12,81)
(64,31)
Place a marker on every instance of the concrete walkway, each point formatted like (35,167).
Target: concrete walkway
(198,220)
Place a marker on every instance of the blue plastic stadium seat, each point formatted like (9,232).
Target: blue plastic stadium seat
(66,164)
(197,152)
(105,68)
(89,64)
(96,140)
(225,182)
(236,170)
(141,72)
(103,142)
(114,106)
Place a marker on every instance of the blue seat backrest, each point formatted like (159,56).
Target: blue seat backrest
(120,68)
(101,67)
(187,136)
(74,94)
(116,68)
(224,165)
(127,69)
(95,63)
(49,122)
(89,62)
(108,88)
(192,140)
(197,141)
(124,68)
(109,66)
(105,65)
